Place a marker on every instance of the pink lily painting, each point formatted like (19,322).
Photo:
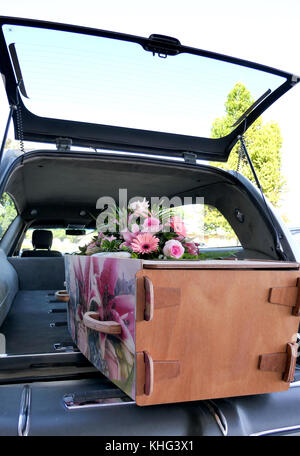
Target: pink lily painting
(105,286)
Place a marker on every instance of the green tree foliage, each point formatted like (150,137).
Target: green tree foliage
(7,207)
(11,144)
(263,142)
(7,213)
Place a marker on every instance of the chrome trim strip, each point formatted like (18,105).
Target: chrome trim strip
(71,403)
(59,348)
(36,355)
(24,414)
(97,405)
(276,431)
(23,362)
(2,345)
(218,416)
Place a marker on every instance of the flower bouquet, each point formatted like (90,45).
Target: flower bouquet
(144,234)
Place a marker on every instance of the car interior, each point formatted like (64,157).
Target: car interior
(61,192)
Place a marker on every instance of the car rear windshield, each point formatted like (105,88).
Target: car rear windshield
(62,242)
(108,81)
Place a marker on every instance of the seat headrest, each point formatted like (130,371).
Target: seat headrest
(42,239)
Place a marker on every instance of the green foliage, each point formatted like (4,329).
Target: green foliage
(7,213)
(59,233)
(11,144)
(220,255)
(110,246)
(214,222)
(263,142)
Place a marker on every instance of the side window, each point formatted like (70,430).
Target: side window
(206,225)
(217,231)
(8,213)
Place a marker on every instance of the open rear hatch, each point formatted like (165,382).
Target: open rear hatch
(122,92)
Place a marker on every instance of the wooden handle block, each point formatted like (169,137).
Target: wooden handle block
(283,296)
(284,362)
(159,297)
(62,295)
(91,320)
(165,370)
(144,374)
(296,309)
(273,362)
(287,296)
(292,351)
(149,299)
(150,372)
(140,374)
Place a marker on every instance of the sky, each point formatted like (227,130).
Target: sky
(263,31)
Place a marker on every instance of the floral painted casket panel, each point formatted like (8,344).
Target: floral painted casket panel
(106,286)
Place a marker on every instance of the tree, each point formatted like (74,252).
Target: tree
(263,142)
(7,213)
(11,144)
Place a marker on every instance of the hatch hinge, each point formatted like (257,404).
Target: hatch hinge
(295,79)
(190,157)
(63,144)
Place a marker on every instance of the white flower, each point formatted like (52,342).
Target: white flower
(140,208)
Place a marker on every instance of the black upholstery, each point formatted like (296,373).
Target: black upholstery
(41,253)
(42,240)
(8,286)
(39,273)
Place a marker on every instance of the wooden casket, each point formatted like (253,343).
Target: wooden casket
(172,331)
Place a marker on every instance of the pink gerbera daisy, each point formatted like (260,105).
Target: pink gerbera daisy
(145,243)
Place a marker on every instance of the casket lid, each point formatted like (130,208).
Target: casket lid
(116,91)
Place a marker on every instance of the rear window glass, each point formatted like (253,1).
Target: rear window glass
(113,82)
(61,241)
